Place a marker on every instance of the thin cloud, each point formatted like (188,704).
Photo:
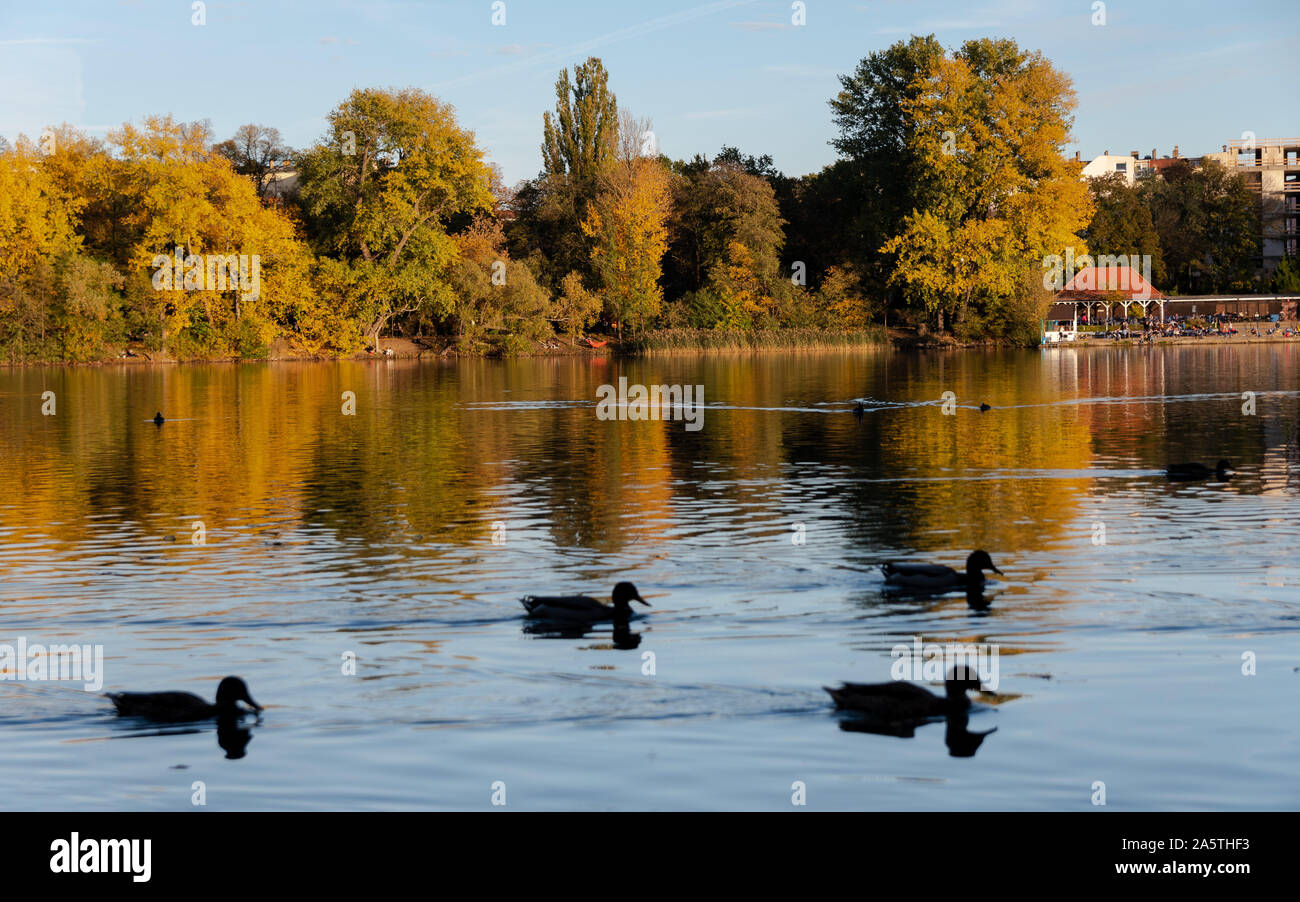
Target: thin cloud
(14,42)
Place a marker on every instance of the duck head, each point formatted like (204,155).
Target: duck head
(1224,468)
(233,690)
(625,593)
(960,679)
(978,562)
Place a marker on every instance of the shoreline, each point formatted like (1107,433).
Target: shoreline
(721,345)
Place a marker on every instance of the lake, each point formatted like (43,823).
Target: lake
(362,572)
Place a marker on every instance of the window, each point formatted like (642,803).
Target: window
(1121,167)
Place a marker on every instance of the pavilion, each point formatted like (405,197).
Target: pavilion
(1098,288)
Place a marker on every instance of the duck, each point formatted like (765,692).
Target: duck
(581,608)
(984,407)
(937,577)
(177,707)
(1196,471)
(859,410)
(898,702)
(158,418)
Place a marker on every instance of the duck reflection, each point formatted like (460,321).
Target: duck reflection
(961,742)
(622,637)
(233,736)
(898,708)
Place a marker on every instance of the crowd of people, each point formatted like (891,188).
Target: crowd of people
(1149,328)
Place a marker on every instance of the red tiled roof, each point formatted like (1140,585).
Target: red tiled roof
(1100,283)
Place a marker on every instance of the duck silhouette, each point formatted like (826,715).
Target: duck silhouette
(581,609)
(984,407)
(859,410)
(1194,472)
(158,419)
(902,703)
(937,577)
(178,707)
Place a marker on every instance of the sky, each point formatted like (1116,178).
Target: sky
(1157,73)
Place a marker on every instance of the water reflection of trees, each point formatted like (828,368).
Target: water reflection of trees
(437,452)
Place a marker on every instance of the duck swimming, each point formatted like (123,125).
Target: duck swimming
(1197,471)
(158,418)
(859,410)
(177,707)
(897,702)
(581,608)
(937,577)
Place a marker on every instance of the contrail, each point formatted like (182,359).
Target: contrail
(561,56)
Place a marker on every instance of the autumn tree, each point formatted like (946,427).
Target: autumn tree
(991,192)
(576,308)
(713,205)
(494,292)
(378,192)
(627,228)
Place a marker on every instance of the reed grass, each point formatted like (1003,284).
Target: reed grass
(682,341)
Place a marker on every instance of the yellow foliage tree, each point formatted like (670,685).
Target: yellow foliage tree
(627,226)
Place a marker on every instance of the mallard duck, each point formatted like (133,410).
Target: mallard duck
(937,577)
(158,418)
(581,608)
(1197,471)
(183,706)
(898,702)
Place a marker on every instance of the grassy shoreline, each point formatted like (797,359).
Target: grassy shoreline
(679,342)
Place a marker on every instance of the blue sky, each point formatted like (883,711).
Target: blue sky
(1156,74)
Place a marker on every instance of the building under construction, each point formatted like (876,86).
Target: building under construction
(1272,170)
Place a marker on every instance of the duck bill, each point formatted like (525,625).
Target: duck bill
(996,570)
(255,705)
(642,600)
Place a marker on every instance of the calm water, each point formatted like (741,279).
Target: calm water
(372,535)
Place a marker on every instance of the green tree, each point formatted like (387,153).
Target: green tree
(1286,278)
(578,139)
(579,144)
(1122,225)
(714,205)
(379,191)
(1208,221)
